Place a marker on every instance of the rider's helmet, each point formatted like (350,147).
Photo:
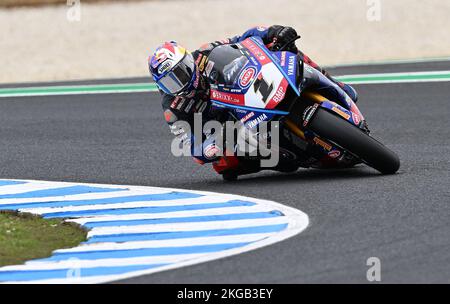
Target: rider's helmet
(173,68)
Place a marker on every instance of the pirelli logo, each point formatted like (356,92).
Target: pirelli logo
(323,144)
(341,113)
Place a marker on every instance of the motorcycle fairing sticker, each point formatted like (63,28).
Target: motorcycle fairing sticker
(231,98)
(243,115)
(288,63)
(251,119)
(268,88)
(351,117)
(247,76)
(257,52)
(257,118)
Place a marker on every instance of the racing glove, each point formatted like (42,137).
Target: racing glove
(283,35)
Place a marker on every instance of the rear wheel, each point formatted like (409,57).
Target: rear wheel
(353,139)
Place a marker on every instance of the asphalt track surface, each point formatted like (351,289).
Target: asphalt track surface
(355,214)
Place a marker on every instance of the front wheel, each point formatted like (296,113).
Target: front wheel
(353,139)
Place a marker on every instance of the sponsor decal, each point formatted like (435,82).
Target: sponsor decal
(254,61)
(226,97)
(197,78)
(291,65)
(247,117)
(201,106)
(211,151)
(181,103)
(209,67)
(189,106)
(246,77)
(341,113)
(256,51)
(309,112)
(261,28)
(356,118)
(197,61)
(240,111)
(279,94)
(283,59)
(201,64)
(175,102)
(323,144)
(164,67)
(334,154)
(257,121)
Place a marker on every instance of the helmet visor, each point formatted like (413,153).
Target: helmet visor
(179,77)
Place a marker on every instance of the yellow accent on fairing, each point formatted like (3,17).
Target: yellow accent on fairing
(295,129)
(317,98)
(182,50)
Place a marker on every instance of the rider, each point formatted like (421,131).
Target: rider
(181,79)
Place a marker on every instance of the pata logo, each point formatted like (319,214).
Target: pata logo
(246,77)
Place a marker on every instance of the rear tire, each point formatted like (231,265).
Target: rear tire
(349,137)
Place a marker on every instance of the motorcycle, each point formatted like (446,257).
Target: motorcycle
(255,84)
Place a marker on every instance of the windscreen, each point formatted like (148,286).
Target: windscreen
(228,63)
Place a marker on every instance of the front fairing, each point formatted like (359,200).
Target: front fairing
(248,74)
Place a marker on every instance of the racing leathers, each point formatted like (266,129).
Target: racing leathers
(180,110)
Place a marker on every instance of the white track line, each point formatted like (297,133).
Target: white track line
(102,231)
(23,188)
(139,204)
(178,214)
(74,263)
(75,197)
(168,243)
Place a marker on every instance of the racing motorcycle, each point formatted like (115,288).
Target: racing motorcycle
(255,84)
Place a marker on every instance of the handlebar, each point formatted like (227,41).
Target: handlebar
(288,43)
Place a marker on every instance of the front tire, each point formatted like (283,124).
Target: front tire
(353,139)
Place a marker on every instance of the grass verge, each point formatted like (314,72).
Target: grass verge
(25,237)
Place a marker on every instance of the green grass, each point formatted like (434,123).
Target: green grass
(25,237)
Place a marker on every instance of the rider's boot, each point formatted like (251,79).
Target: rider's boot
(230,167)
